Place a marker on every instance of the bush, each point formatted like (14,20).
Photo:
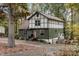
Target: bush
(16,36)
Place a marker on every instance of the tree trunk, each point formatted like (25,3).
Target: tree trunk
(72,36)
(11,41)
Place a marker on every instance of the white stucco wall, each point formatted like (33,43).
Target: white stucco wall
(54,24)
(51,23)
(43,23)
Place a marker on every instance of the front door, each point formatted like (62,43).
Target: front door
(34,34)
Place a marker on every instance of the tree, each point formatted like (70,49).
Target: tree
(74,8)
(10,11)
(12,16)
(11,41)
(20,11)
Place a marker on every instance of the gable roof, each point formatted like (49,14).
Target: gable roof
(25,23)
(45,15)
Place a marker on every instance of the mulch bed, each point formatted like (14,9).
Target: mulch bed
(67,52)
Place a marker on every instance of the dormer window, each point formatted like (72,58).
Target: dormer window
(37,22)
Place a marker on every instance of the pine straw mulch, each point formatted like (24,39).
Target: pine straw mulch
(67,51)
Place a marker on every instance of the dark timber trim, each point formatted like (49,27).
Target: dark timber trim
(47,16)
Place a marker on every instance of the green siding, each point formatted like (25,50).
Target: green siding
(47,33)
(54,32)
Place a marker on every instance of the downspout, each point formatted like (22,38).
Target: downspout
(64,29)
(48,28)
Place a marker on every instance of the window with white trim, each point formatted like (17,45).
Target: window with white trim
(37,22)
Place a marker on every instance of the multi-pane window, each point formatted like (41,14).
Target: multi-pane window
(37,22)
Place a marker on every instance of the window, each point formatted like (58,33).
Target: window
(37,22)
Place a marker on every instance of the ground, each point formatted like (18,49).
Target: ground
(33,48)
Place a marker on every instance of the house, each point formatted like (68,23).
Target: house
(41,26)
